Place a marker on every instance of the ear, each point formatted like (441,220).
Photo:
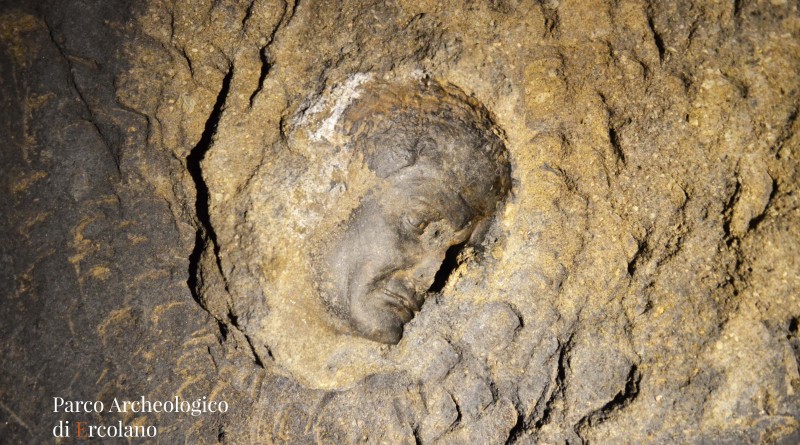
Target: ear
(481,227)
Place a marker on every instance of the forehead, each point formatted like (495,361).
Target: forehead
(429,191)
(403,144)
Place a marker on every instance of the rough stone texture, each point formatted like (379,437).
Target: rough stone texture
(163,188)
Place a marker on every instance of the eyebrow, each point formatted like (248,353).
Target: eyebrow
(461,214)
(418,199)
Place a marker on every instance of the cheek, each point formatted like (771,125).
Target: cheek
(381,253)
(372,250)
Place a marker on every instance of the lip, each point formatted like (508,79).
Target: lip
(397,305)
(405,301)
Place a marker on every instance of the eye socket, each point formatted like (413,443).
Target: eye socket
(415,223)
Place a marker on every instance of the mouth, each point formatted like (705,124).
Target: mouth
(403,303)
(407,302)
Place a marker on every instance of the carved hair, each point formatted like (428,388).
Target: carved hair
(393,126)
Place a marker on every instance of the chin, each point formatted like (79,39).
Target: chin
(389,336)
(377,322)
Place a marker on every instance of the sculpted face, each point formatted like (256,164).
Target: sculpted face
(436,186)
(394,246)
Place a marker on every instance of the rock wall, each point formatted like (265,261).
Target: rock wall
(167,171)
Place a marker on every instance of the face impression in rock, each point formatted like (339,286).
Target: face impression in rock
(441,176)
(394,246)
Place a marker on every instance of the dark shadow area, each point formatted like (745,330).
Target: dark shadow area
(448,266)
(205,231)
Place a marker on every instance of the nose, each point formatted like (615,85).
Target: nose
(425,272)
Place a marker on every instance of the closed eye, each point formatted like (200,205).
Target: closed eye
(415,224)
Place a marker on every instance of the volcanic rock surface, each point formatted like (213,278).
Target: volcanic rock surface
(170,168)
